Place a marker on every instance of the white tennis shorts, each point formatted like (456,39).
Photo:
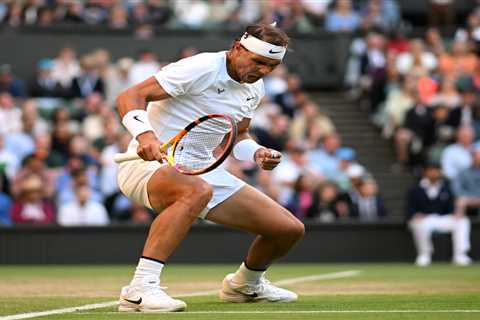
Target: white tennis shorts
(134,175)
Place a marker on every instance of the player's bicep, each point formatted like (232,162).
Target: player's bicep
(151,90)
(139,95)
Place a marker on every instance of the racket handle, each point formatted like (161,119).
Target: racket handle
(126,156)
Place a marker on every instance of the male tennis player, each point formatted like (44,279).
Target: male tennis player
(228,82)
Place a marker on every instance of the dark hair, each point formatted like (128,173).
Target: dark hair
(268,34)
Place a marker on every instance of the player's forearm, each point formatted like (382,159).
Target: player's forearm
(130,99)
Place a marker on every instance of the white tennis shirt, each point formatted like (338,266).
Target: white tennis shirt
(200,85)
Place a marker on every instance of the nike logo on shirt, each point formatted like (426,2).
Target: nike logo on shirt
(219,90)
(250,98)
(134,301)
(136,118)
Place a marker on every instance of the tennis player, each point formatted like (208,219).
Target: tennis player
(227,82)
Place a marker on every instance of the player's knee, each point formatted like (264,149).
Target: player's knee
(199,193)
(295,230)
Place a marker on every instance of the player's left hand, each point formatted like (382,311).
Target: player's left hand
(267,159)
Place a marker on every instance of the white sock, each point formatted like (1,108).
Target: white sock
(146,268)
(245,275)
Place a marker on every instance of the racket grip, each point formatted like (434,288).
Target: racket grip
(126,156)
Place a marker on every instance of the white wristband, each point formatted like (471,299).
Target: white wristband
(245,150)
(136,121)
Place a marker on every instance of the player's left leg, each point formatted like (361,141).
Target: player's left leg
(277,229)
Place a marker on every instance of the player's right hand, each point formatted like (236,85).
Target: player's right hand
(149,147)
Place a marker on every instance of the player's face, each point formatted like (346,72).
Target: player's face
(250,67)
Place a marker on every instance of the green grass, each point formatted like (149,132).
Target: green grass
(379,287)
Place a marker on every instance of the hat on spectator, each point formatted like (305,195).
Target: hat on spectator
(346,153)
(355,171)
(45,64)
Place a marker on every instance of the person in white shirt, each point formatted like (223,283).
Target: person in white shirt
(458,157)
(82,211)
(228,82)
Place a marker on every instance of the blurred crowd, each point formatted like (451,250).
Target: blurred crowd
(144,16)
(423,93)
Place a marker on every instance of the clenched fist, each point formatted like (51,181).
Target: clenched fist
(149,147)
(267,159)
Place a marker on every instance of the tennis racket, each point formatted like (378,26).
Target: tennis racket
(199,148)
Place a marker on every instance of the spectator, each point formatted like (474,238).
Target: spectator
(21,143)
(466,186)
(368,205)
(327,206)
(310,125)
(44,84)
(416,57)
(119,80)
(464,114)
(118,18)
(82,211)
(65,67)
(10,115)
(144,67)
(9,163)
(457,157)
(302,198)
(5,207)
(31,208)
(32,165)
(399,101)
(88,81)
(9,83)
(430,209)
(461,62)
(323,160)
(276,136)
(289,170)
(343,18)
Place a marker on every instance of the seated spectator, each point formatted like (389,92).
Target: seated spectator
(82,211)
(9,163)
(397,104)
(323,160)
(144,67)
(88,81)
(10,114)
(289,170)
(430,208)
(461,62)
(457,157)
(342,18)
(44,84)
(30,206)
(34,165)
(368,205)
(327,205)
(65,67)
(464,114)
(302,198)
(276,136)
(466,186)
(9,83)
(416,57)
(346,159)
(310,124)
(74,175)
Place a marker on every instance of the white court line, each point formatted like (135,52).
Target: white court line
(326,276)
(302,312)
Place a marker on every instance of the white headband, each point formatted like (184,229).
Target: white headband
(262,48)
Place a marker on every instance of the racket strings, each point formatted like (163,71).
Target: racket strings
(202,145)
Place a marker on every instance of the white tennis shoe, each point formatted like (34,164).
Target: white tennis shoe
(263,290)
(148,297)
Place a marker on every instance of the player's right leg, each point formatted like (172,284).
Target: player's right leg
(180,199)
